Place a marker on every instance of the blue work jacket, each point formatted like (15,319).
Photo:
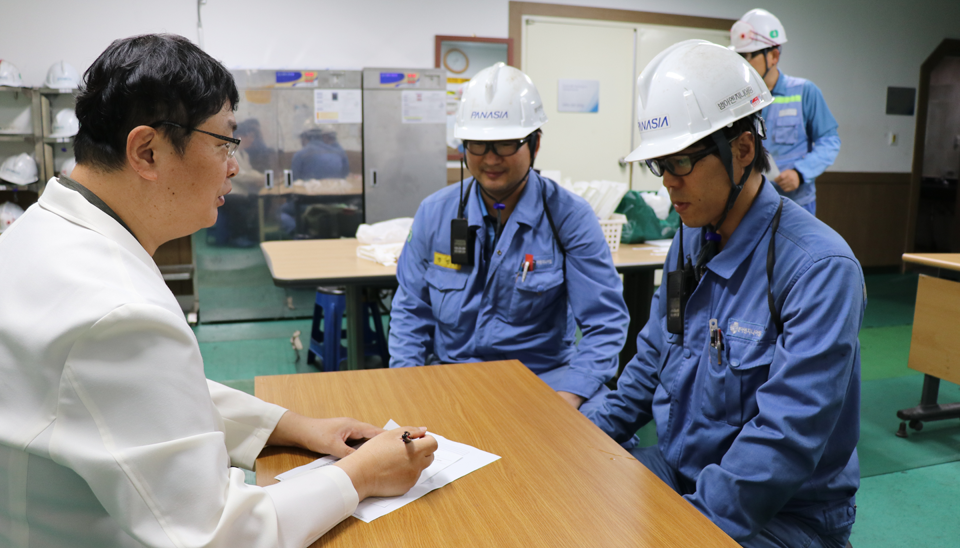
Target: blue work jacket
(772,426)
(801,133)
(488,311)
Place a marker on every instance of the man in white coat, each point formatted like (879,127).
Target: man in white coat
(109,433)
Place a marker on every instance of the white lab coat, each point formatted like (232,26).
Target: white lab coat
(110,434)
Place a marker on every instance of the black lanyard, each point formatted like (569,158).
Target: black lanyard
(682,281)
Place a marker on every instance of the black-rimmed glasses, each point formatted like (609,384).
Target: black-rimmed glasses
(232,143)
(679,165)
(500,148)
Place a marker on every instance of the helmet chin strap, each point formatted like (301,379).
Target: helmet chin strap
(498,204)
(712,245)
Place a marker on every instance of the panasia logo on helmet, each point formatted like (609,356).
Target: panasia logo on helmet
(490,114)
(657,122)
(735,98)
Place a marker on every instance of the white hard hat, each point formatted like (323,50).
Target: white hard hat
(62,75)
(499,103)
(758,29)
(65,123)
(9,212)
(21,169)
(21,124)
(68,166)
(691,90)
(9,75)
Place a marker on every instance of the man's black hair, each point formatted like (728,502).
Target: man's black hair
(140,81)
(761,162)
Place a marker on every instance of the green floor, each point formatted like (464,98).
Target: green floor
(907,486)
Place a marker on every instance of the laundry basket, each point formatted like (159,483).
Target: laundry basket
(613,229)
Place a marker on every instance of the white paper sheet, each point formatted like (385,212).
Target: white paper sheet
(423,107)
(338,106)
(451,461)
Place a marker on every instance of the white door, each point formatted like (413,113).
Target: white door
(583,146)
(586,146)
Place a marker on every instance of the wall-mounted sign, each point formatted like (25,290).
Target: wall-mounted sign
(578,95)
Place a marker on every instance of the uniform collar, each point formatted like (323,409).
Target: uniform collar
(528,209)
(72,206)
(780,88)
(749,232)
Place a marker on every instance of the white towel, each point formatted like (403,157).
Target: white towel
(393,231)
(385,254)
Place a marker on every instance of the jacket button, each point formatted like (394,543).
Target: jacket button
(686,352)
(734,363)
(499,252)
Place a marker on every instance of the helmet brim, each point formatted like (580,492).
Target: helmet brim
(494,133)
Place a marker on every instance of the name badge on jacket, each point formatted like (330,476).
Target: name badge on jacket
(440,259)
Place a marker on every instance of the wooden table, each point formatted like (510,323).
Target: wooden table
(560,480)
(311,263)
(934,343)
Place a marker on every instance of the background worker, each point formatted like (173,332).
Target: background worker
(802,133)
(750,362)
(528,262)
(110,436)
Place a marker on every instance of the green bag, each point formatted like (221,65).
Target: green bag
(642,223)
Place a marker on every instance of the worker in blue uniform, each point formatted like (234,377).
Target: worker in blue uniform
(802,133)
(750,364)
(507,264)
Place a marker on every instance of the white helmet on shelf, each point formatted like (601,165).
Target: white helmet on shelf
(9,74)
(67,168)
(691,90)
(65,123)
(20,169)
(758,29)
(9,212)
(21,124)
(62,75)
(499,103)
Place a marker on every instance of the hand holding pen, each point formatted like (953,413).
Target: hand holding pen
(382,467)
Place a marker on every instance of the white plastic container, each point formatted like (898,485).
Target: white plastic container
(613,229)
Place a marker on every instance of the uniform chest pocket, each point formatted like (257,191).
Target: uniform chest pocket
(446,292)
(535,295)
(787,130)
(730,389)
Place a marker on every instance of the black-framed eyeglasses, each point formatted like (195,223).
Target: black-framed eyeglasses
(679,165)
(232,143)
(500,148)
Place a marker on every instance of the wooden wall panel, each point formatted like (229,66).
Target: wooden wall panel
(869,210)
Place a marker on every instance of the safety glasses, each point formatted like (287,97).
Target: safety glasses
(231,144)
(678,165)
(500,148)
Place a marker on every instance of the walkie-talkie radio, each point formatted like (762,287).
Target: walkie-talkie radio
(680,284)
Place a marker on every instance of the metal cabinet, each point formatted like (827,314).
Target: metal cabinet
(300,177)
(405,151)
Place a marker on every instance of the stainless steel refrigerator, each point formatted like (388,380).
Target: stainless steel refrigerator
(404,139)
(301,177)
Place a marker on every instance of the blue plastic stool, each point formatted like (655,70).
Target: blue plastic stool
(328,343)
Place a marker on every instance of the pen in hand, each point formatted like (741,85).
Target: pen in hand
(406,437)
